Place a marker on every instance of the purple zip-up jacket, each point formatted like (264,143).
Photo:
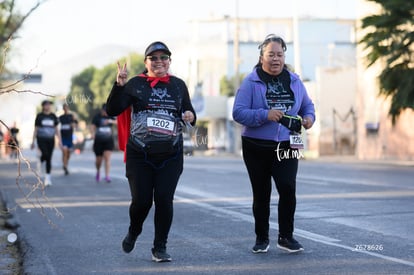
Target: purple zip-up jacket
(250,108)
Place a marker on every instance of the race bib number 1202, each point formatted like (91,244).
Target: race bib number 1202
(160,125)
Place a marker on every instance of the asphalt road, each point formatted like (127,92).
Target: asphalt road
(351,218)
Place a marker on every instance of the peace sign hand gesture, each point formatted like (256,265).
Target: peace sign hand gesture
(122,76)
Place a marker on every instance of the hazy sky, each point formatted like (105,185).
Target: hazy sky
(60,29)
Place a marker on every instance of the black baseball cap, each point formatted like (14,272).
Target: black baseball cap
(44,102)
(157,46)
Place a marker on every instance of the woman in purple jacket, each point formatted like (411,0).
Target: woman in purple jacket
(272,104)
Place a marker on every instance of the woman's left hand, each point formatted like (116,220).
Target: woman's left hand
(188,116)
(122,76)
(307,122)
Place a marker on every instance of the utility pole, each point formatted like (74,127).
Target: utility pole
(296,42)
(236,45)
(236,64)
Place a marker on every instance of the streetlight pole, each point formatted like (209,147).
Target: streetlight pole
(236,65)
(296,42)
(236,46)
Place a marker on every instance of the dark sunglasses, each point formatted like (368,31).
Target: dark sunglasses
(163,57)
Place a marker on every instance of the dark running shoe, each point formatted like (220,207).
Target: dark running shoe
(261,247)
(129,242)
(160,255)
(289,244)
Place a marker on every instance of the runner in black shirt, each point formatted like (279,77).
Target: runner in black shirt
(68,123)
(103,142)
(45,131)
(152,109)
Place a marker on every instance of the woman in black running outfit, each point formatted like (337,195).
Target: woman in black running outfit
(272,104)
(155,106)
(45,131)
(68,123)
(103,142)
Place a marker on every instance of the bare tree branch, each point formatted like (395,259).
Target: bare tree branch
(10,29)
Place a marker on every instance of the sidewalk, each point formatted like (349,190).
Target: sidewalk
(9,252)
(10,260)
(39,210)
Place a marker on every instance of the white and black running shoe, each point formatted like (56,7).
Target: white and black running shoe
(160,255)
(289,244)
(261,246)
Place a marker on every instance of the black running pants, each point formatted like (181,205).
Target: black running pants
(152,180)
(46,147)
(264,163)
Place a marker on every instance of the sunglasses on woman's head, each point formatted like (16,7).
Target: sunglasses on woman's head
(272,38)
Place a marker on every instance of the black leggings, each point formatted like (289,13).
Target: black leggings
(264,162)
(46,146)
(152,181)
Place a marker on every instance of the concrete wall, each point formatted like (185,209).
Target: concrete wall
(389,142)
(335,102)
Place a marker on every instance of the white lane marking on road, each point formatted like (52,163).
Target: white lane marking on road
(343,181)
(302,233)
(244,217)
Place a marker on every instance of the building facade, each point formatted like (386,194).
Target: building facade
(321,51)
(378,138)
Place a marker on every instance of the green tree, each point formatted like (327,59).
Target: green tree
(80,98)
(90,89)
(101,84)
(389,41)
(228,86)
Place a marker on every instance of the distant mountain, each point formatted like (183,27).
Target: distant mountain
(56,78)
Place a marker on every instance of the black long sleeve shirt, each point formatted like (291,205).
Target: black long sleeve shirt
(166,99)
